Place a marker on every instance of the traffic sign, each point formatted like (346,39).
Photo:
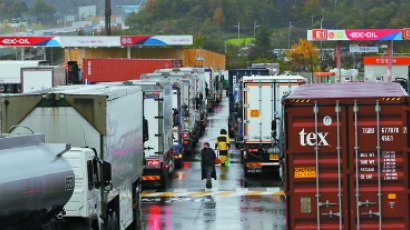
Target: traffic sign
(406,33)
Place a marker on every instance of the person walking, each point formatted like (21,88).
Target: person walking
(222,141)
(208,157)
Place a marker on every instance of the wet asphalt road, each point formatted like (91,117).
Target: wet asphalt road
(234,202)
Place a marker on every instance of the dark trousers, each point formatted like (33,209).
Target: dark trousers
(209,171)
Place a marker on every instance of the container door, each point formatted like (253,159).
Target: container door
(258,112)
(151,113)
(379,183)
(314,167)
(175,107)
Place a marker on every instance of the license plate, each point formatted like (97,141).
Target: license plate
(254,170)
(306,172)
(273,157)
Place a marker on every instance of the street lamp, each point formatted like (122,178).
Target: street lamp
(254,28)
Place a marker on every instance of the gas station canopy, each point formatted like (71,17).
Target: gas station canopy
(96,41)
(358,35)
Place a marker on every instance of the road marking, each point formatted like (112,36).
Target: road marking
(217,193)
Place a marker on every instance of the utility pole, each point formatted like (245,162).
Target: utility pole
(254,28)
(239,32)
(107,17)
(289,33)
(321,44)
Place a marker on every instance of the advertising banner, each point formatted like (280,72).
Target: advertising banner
(29,41)
(356,35)
(156,40)
(90,41)
(364,48)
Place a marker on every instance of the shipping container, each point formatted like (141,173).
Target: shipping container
(43,77)
(346,149)
(111,69)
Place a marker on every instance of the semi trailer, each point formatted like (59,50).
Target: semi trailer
(106,119)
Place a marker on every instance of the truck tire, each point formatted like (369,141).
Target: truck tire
(112,221)
(165,180)
(137,210)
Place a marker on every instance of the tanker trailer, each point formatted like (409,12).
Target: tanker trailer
(35,181)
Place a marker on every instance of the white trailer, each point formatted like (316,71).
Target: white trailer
(105,118)
(262,119)
(158,148)
(43,77)
(10,74)
(190,116)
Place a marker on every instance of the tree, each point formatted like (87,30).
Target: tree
(219,18)
(198,40)
(304,55)
(263,44)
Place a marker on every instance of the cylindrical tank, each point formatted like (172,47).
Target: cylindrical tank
(36,181)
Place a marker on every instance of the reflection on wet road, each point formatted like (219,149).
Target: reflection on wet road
(234,202)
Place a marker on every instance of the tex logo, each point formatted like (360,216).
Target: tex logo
(310,139)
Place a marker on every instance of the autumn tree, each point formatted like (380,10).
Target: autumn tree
(219,18)
(304,55)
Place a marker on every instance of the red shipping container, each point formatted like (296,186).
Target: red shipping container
(110,69)
(346,151)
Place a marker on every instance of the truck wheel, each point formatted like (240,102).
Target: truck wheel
(137,210)
(112,221)
(165,181)
(178,163)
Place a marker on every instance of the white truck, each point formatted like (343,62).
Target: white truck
(262,121)
(106,119)
(190,104)
(158,148)
(10,78)
(42,77)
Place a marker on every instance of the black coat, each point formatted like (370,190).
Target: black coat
(208,157)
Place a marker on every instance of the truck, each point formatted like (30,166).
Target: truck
(106,119)
(234,76)
(10,78)
(261,121)
(274,68)
(158,148)
(121,69)
(36,183)
(199,91)
(190,106)
(346,148)
(42,77)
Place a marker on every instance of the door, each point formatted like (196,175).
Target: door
(315,158)
(378,187)
(258,112)
(151,113)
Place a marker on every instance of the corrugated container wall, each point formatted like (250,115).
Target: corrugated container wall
(189,57)
(346,151)
(109,70)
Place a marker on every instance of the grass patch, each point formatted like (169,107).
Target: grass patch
(242,41)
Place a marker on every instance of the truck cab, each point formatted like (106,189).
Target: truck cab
(88,169)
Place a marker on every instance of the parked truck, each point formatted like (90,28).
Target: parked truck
(42,77)
(35,184)
(261,121)
(106,119)
(234,76)
(10,78)
(121,69)
(158,148)
(190,105)
(346,151)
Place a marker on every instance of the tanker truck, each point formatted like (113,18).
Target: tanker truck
(40,187)
(106,119)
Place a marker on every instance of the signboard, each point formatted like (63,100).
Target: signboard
(356,35)
(406,33)
(96,41)
(364,48)
(28,41)
(156,40)
(319,34)
(89,41)
(385,61)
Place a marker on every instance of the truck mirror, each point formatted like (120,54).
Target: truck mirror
(107,172)
(175,117)
(274,125)
(145,130)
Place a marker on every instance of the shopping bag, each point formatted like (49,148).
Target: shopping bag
(227,161)
(217,160)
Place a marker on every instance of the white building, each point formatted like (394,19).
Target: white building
(375,68)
